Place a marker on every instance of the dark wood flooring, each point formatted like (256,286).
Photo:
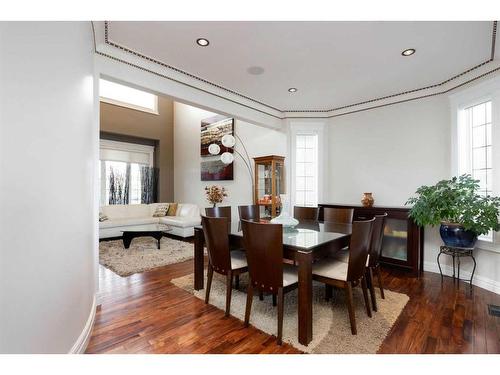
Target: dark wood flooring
(146,313)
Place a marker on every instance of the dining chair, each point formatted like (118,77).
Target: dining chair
(372,263)
(374,258)
(218,212)
(338,215)
(264,249)
(346,276)
(305,213)
(250,212)
(220,258)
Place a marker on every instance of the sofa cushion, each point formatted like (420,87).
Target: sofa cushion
(161,210)
(121,211)
(188,209)
(172,209)
(112,223)
(154,206)
(180,221)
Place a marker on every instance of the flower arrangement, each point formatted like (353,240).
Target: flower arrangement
(215,194)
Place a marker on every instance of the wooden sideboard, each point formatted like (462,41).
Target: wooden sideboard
(403,242)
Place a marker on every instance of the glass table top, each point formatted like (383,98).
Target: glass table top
(306,235)
(147,228)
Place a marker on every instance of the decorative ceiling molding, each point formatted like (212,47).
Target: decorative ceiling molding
(123,48)
(123,54)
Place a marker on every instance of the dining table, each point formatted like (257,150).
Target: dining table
(303,244)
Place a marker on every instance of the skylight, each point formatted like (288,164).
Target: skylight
(125,96)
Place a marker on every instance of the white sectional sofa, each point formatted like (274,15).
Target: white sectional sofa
(122,215)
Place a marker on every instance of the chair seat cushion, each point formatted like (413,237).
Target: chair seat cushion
(290,275)
(343,256)
(238,259)
(331,268)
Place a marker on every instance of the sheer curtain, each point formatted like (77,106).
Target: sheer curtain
(149,183)
(119,185)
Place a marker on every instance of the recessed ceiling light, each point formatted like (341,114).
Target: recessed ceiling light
(292,89)
(255,70)
(202,42)
(408,52)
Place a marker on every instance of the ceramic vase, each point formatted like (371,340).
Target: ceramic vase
(367,200)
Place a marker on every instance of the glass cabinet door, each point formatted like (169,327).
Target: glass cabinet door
(395,241)
(264,189)
(269,184)
(264,183)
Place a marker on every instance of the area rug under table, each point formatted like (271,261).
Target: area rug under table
(143,255)
(331,328)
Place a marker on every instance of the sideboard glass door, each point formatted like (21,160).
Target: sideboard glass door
(395,241)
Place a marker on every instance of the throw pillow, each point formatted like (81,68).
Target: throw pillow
(102,217)
(172,209)
(161,210)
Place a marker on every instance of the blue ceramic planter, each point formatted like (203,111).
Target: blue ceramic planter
(455,235)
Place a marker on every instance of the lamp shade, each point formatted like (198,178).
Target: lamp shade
(214,149)
(228,140)
(226,158)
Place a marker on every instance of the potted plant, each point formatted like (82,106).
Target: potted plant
(463,213)
(215,194)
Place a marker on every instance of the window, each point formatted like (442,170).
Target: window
(475,148)
(125,96)
(122,171)
(306,170)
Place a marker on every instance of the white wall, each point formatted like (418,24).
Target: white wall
(258,140)
(48,148)
(391,151)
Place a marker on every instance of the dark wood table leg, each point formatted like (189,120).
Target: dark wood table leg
(199,241)
(328,292)
(127,239)
(158,237)
(305,298)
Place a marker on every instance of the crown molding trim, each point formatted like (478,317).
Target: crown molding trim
(175,69)
(224,93)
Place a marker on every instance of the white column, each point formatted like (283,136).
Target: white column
(48,161)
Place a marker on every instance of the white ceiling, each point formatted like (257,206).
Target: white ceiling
(332,64)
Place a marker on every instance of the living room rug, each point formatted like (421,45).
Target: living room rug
(142,255)
(331,328)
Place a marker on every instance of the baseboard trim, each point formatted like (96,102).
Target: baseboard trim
(81,343)
(480,281)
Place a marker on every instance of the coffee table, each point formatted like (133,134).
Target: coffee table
(157,231)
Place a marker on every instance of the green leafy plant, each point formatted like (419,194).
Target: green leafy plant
(456,201)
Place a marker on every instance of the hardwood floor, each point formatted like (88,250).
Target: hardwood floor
(146,313)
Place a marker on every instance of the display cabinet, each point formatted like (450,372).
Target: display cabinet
(402,245)
(269,184)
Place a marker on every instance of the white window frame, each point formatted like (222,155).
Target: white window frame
(128,147)
(121,146)
(120,103)
(486,91)
(307,128)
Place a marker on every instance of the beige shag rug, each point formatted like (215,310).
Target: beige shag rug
(142,255)
(331,328)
